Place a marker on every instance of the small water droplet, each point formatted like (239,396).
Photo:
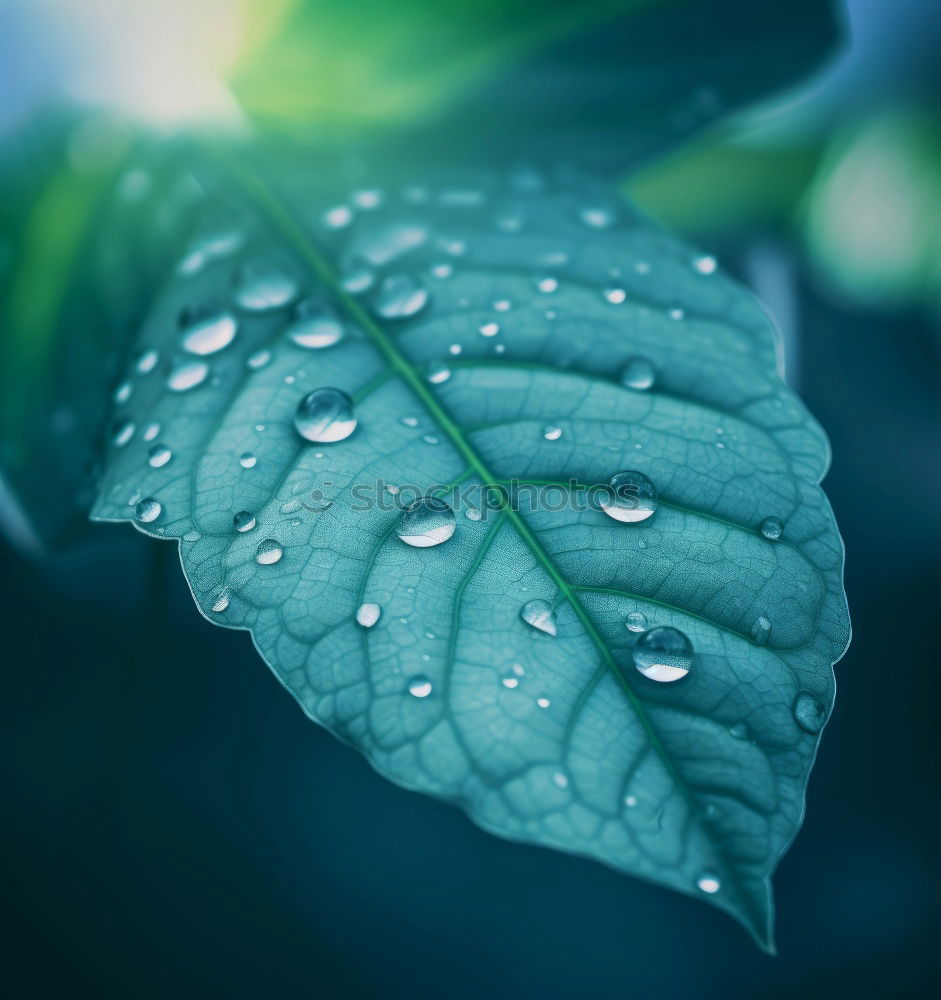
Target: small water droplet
(761,630)
(244,520)
(489,329)
(502,305)
(547,285)
(663,654)
(472,514)
(208,334)
(123,432)
(151,431)
(706,264)
(551,433)
(358,278)
(221,602)
(543,702)
(596,218)
(400,296)
(772,528)
(442,271)
(419,686)
(368,614)
(738,731)
(268,552)
(147,362)
(636,621)
(560,780)
(337,217)
(638,374)
(148,510)
(262,286)
(123,393)
(631,497)
(540,615)
(615,295)
(258,360)
(315,324)
(325,415)
(455,349)
(247,460)
(158,456)
(809,712)
(709,883)
(630,801)
(677,313)
(438,372)
(510,681)
(425,522)
(187,376)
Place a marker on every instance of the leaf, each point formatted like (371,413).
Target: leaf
(605,84)
(432,660)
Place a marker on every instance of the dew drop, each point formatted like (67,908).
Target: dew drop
(148,510)
(615,295)
(543,702)
(772,528)
(244,520)
(425,522)
(738,731)
(677,313)
(638,374)
(551,433)
(368,614)
(147,362)
(708,883)
(158,456)
(636,621)
(315,324)
(122,433)
(489,329)
(547,285)
(663,654)
(209,334)
(400,296)
(705,264)
(596,218)
(337,217)
(630,801)
(631,497)
(438,372)
(540,615)
(357,279)
(325,415)
(761,630)
(560,780)
(258,360)
(123,393)
(510,681)
(502,305)
(262,286)
(472,514)
(151,431)
(247,460)
(809,712)
(187,376)
(268,552)
(221,602)
(419,686)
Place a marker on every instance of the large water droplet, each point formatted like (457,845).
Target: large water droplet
(148,510)
(315,324)
(809,712)
(244,520)
(325,415)
(709,883)
(419,686)
(158,456)
(631,497)
(663,654)
(368,614)
(262,285)
(540,615)
(400,296)
(639,374)
(772,528)
(268,552)
(425,522)
(187,375)
(761,630)
(208,334)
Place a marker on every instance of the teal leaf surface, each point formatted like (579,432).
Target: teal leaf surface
(520,332)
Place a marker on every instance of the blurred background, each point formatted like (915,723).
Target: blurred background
(172,823)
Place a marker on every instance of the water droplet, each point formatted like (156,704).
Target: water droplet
(705,264)
(262,285)
(247,460)
(761,630)
(385,244)
(472,514)
(455,349)
(187,375)
(158,456)
(122,433)
(400,296)
(147,362)
(540,615)
(221,602)
(663,654)
(425,522)
(560,780)
(709,883)
(615,295)
(547,285)
(442,271)
(677,314)
(438,372)
(419,686)
(315,324)
(151,431)
(738,731)
(268,552)
(259,359)
(337,217)
(772,528)
(489,329)
(502,305)
(409,421)
(368,614)
(148,510)
(809,712)
(551,433)
(631,497)
(636,621)
(123,393)
(510,681)
(325,415)
(358,278)
(630,801)
(596,218)
(209,334)
(638,374)
(244,520)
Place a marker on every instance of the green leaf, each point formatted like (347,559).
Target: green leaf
(550,289)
